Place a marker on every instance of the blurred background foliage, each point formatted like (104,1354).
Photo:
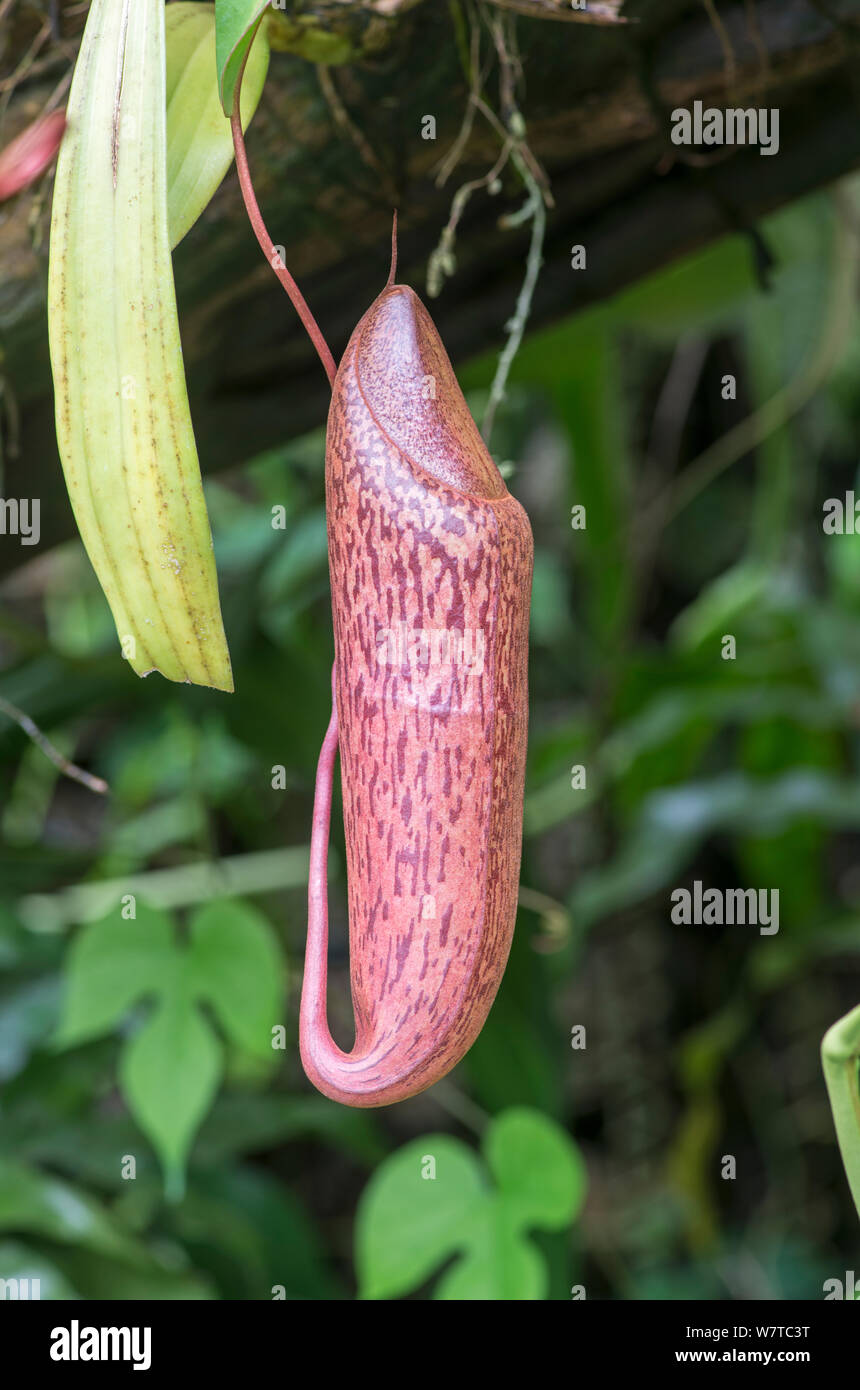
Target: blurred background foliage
(704,518)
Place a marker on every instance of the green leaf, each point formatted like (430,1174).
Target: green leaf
(840,1050)
(34,1203)
(407,1222)
(169,1073)
(111,965)
(27,1013)
(500,1265)
(124,429)
(243,1122)
(171,1067)
(247,1225)
(19,1262)
(100,1279)
(412,1217)
(738,592)
(199,140)
(187,24)
(235,964)
(590,407)
(235,26)
(673,822)
(539,1173)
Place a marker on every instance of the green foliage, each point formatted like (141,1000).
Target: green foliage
(171,1065)
(199,140)
(432,1200)
(236,23)
(700,1041)
(74,1247)
(169,1072)
(44,1206)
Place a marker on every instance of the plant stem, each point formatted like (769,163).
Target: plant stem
(461,1106)
(840,1058)
(266,244)
(183,885)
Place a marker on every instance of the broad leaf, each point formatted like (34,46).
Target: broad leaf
(413,1216)
(170,1072)
(110,966)
(500,1265)
(34,1203)
(540,1174)
(235,965)
(199,142)
(20,1263)
(124,427)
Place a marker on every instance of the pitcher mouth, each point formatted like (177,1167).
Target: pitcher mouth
(408,384)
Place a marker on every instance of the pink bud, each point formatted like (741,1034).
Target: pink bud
(29,155)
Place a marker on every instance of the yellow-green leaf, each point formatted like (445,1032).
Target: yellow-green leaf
(199,141)
(123,422)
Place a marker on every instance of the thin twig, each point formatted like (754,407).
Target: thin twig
(504,40)
(725,42)
(476,102)
(56,96)
(69,769)
(26,65)
(476,81)
(512,134)
(758,43)
(554,916)
(460,1106)
(61,55)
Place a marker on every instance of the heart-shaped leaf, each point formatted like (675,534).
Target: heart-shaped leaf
(170,1072)
(235,965)
(499,1264)
(432,1200)
(539,1172)
(171,1066)
(415,1212)
(111,964)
